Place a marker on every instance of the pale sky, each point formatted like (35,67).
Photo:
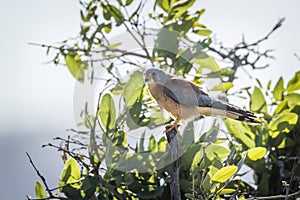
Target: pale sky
(37,100)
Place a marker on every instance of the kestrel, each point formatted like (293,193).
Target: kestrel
(185,100)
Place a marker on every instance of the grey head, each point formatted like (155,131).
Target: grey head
(156,75)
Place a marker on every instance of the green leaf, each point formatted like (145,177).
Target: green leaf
(106,13)
(281,107)
(162,144)
(210,135)
(166,44)
(227,191)
(128,2)
(224,174)
(180,7)
(116,13)
(89,185)
(112,46)
(257,101)
(212,153)
(141,142)
(292,99)
(256,153)
(164,4)
(286,142)
(242,198)
(269,84)
(107,29)
(152,144)
(283,123)
(117,89)
(241,132)
(226,72)
(206,61)
(39,191)
(70,174)
(278,90)
(119,139)
(157,118)
(294,83)
(75,66)
(107,112)
(225,86)
(203,32)
(133,89)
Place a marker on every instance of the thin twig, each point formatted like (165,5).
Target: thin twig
(296,55)
(295,194)
(40,175)
(123,52)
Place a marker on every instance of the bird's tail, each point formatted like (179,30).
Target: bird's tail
(234,112)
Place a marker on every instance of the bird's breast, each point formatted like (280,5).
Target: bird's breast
(175,109)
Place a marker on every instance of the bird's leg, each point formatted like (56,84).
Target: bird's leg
(172,126)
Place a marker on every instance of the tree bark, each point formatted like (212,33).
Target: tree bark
(175,164)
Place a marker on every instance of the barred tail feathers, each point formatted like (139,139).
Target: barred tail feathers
(220,108)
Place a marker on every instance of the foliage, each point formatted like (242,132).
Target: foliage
(109,167)
(278,135)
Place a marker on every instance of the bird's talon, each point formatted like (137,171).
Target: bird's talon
(170,127)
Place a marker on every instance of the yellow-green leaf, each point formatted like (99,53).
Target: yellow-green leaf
(212,152)
(39,191)
(283,123)
(204,32)
(133,89)
(278,90)
(258,102)
(107,112)
(227,191)
(281,107)
(179,7)
(75,66)
(286,142)
(224,174)
(241,132)
(256,153)
(206,61)
(222,86)
(112,46)
(292,99)
(294,83)
(70,174)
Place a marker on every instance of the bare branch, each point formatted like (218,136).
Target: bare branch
(296,194)
(245,53)
(174,182)
(40,175)
(105,49)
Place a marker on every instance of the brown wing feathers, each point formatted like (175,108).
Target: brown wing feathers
(192,95)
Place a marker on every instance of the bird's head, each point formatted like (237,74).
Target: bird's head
(156,75)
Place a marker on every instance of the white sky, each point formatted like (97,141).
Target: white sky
(36,99)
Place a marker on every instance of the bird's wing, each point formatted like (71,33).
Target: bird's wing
(190,95)
(186,93)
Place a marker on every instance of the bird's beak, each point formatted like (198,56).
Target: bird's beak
(148,77)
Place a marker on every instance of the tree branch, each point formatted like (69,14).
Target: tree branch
(296,194)
(175,164)
(123,52)
(245,53)
(49,191)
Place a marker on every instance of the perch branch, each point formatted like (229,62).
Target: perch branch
(174,182)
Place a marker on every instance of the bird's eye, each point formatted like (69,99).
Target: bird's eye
(153,74)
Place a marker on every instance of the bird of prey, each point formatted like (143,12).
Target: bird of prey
(184,99)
